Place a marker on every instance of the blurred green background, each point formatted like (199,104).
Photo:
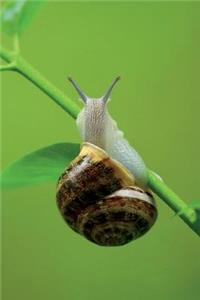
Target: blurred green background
(155,47)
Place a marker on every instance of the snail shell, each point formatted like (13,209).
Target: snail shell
(98,198)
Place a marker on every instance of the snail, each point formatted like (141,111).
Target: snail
(103,194)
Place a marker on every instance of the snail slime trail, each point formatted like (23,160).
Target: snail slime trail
(102,195)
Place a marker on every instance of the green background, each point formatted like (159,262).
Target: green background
(155,47)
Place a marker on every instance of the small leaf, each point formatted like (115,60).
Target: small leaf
(43,165)
(16,15)
(195,205)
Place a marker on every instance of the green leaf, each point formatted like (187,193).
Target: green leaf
(195,205)
(16,15)
(43,165)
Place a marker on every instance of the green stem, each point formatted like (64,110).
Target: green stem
(28,71)
(7,55)
(8,67)
(187,214)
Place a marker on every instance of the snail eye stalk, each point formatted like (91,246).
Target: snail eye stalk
(108,92)
(83,96)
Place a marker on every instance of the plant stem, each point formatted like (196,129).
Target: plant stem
(7,55)
(187,214)
(28,71)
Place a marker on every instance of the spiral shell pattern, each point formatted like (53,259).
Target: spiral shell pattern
(99,199)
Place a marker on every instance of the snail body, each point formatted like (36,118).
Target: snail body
(98,127)
(100,195)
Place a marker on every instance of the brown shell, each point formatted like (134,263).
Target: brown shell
(89,198)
